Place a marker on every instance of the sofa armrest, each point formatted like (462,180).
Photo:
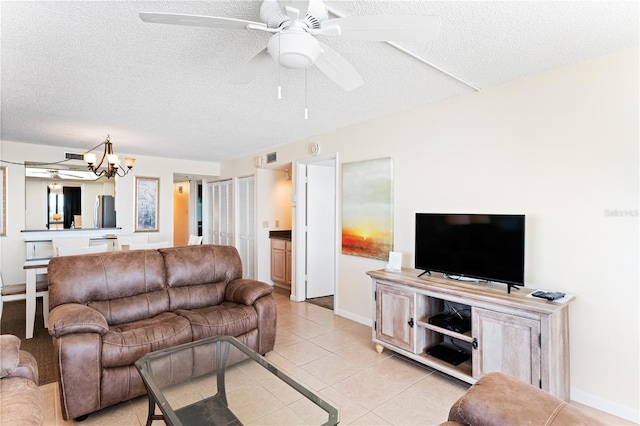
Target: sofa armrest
(73,318)
(10,350)
(15,362)
(246,291)
(27,368)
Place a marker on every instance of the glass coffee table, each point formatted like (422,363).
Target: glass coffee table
(220,381)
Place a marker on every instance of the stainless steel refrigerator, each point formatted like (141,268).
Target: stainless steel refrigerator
(104,215)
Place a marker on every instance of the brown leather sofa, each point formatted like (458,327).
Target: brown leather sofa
(20,399)
(109,309)
(498,399)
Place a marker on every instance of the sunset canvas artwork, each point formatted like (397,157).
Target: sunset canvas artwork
(367,208)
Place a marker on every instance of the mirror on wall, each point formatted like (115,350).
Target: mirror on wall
(62,198)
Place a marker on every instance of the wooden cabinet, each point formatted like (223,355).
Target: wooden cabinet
(281,263)
(512,333)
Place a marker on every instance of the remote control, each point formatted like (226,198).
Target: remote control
(548,295)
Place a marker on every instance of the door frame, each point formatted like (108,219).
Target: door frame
(299,252)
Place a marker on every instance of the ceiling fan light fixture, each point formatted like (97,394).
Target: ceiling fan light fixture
(293,49)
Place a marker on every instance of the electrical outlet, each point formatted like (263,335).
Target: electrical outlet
(265,223)
(277,224)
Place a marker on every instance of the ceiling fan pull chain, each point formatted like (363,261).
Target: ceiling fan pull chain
(306,110)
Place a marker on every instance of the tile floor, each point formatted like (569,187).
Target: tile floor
(335,357)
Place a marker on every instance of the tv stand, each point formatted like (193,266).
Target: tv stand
(510,332)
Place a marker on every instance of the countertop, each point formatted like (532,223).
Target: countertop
(280,235)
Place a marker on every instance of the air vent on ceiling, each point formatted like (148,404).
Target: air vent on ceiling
(272,158)
(73,156)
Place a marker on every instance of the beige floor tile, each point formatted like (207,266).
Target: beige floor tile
(302,352)
(412,408)
(308,380)
(368,419)
(333,341)
(279,361)
(251,402)
(119,414)
(380,382)
(49,403)
(308,329)
(283,416)
(441,389)
(310,413)
(332,368)
(348,410)
(285,337)
(364,353)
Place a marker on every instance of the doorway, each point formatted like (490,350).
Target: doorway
(316,219)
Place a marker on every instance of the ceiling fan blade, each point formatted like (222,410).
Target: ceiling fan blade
(199,21)
(384,27)
(251,69)
(301,5)
(338,69)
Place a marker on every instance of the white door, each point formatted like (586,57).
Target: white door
(320,226)
(223,213)
(246,225)
(207,213)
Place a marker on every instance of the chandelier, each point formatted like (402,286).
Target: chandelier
(113,166)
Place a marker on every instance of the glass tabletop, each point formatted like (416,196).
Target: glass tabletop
(220,381)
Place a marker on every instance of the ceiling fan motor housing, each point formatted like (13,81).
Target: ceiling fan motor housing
(294,48)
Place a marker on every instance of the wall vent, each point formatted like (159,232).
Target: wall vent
(73,156)
(272,158)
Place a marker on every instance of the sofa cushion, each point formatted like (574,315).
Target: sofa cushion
(198,275)
(111,283)
(228,318)
(125,343)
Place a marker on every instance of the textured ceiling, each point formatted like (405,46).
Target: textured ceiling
(74,71)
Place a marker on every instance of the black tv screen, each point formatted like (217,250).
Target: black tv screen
(479,246)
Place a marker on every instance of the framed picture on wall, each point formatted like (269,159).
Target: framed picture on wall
(147,191)
(367,208)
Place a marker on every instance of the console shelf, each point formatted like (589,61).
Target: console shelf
(466,337)
(512,333)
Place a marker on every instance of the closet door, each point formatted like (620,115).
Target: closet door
(207,213)
(246,225)
(223,213)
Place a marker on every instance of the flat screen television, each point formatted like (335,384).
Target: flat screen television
(486,247)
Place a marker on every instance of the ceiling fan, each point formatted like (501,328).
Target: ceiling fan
(294,25)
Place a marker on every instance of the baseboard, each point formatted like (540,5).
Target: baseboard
(357,318)
(605,405)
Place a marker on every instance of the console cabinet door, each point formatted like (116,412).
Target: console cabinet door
(394,316)
(506,343)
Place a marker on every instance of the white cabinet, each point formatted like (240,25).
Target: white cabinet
(512,333)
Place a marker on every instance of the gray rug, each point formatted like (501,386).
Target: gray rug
(325,302)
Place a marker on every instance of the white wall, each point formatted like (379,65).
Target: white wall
(560,147)
(13,246)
